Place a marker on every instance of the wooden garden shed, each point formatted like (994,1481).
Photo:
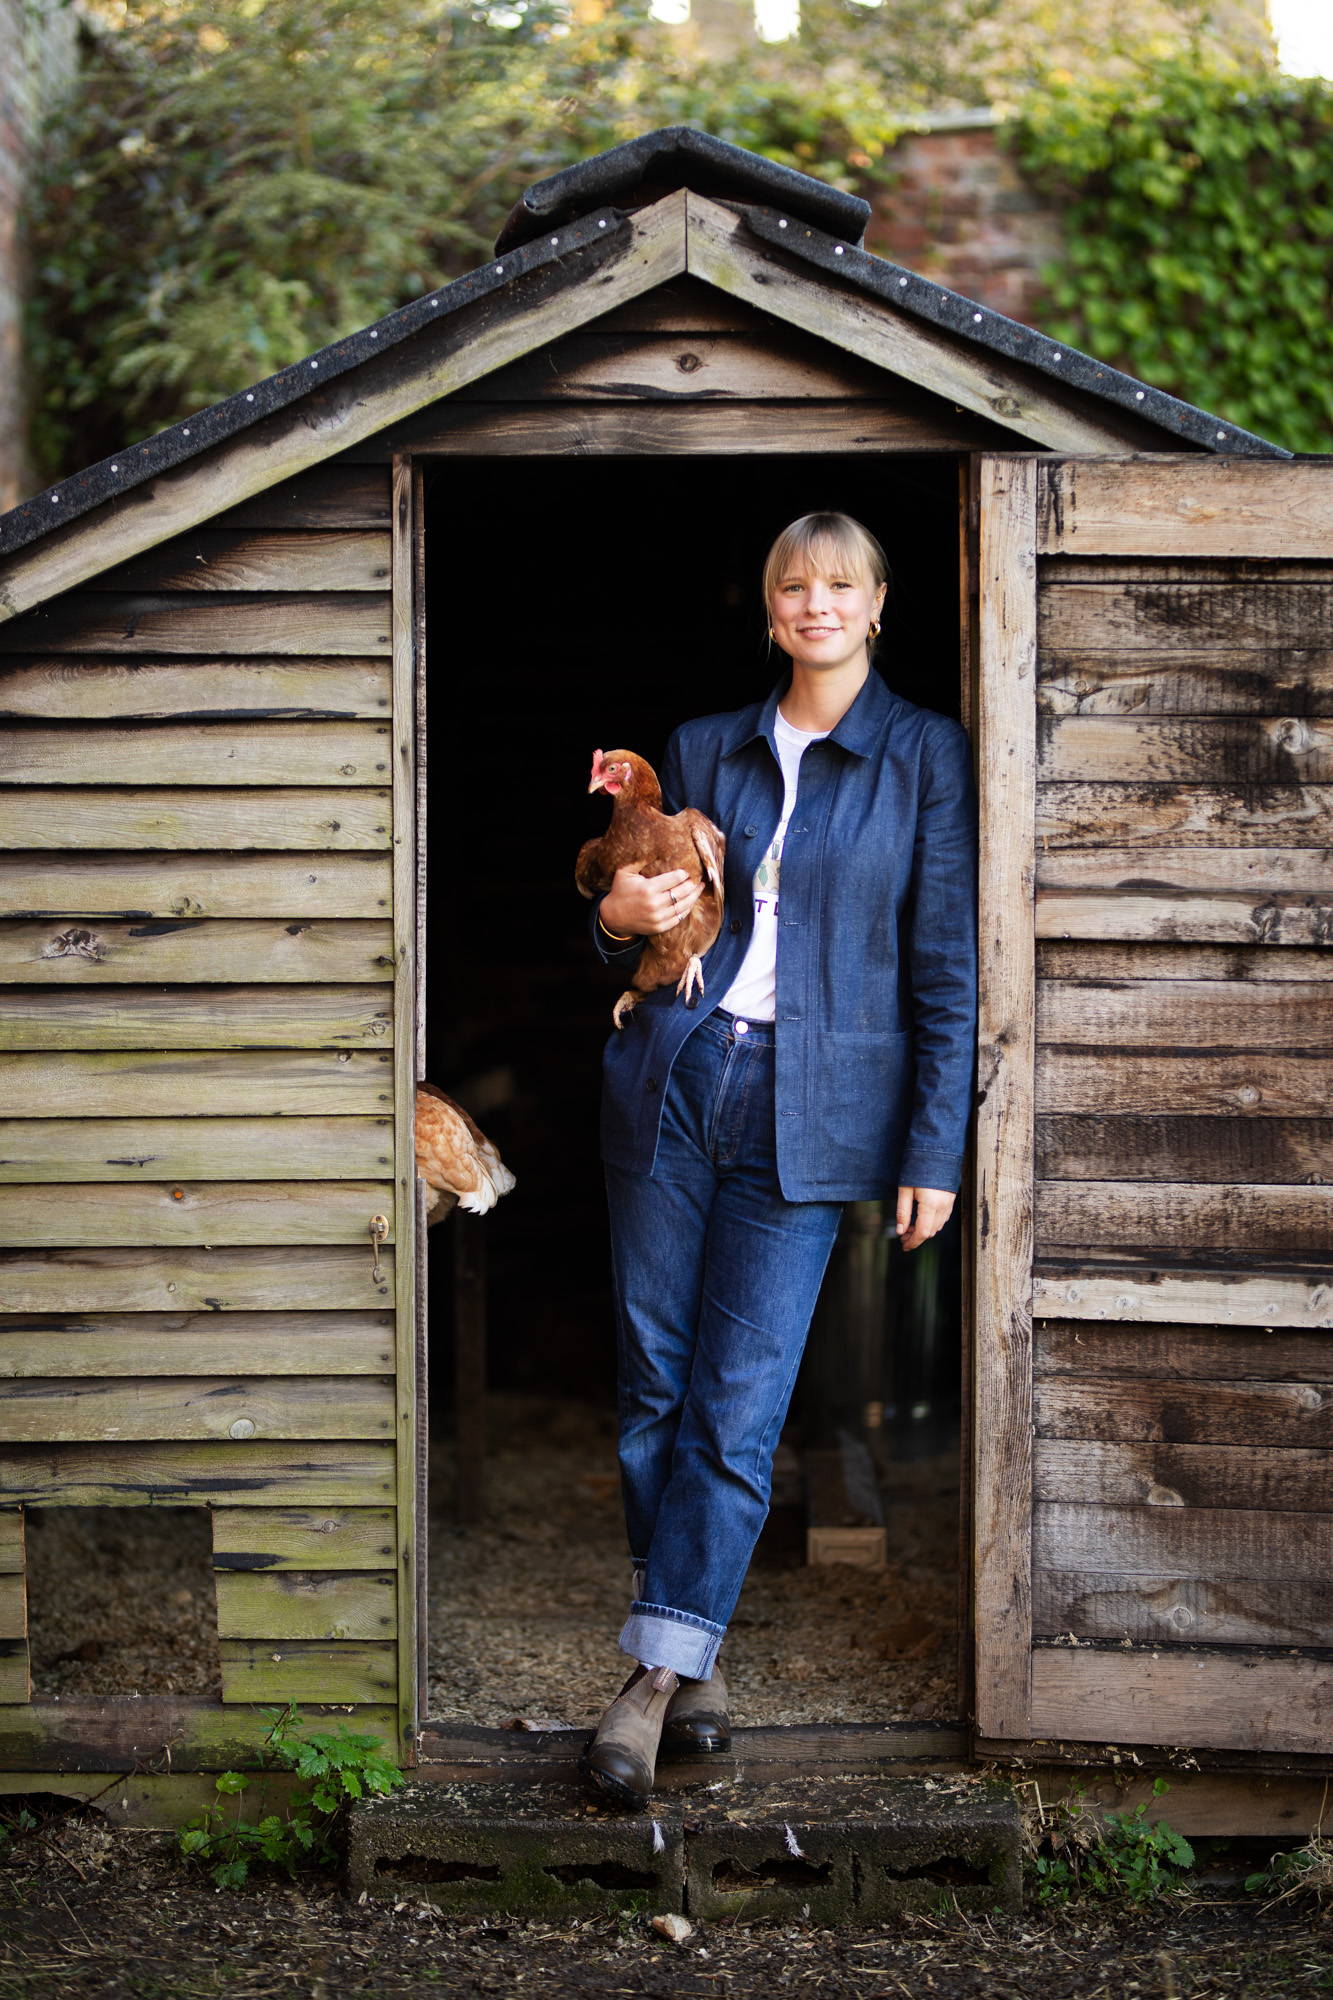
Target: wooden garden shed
(218,652)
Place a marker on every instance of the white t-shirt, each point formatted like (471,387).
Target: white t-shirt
(753,992)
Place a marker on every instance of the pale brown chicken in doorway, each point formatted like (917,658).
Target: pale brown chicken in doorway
(459,1164)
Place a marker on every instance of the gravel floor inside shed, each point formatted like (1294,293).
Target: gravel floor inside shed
(526,1606)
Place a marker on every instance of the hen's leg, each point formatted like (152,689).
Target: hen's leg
(692,976)
(628,999)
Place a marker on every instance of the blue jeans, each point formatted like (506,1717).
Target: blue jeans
(716,1278)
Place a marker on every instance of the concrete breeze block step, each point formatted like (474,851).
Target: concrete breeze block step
(835,1851)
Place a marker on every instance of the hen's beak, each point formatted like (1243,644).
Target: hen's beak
(597,780)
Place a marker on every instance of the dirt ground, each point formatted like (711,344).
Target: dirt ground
(107,1915)
(525,1606)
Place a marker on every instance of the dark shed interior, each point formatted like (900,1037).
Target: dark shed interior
(573,603)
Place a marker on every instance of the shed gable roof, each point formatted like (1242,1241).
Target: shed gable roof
(778,256)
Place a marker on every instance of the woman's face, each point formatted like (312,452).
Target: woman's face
(822,620)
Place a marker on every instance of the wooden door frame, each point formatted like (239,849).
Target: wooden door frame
(548,435)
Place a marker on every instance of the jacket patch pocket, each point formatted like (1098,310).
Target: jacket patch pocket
(863,1098)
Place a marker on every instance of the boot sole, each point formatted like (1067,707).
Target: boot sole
(614,1789)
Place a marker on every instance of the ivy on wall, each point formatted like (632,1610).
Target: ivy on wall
(1198,223)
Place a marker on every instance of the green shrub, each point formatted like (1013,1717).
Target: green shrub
(1120,1857)
(1198,217)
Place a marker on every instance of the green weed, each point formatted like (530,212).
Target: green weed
(335,1766)
(1120,1857)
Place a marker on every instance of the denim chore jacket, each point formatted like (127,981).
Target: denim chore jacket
(876,973)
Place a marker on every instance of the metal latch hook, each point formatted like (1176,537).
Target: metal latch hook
(379,1230)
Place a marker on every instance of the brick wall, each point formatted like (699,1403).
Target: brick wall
(959,211)
(38,56)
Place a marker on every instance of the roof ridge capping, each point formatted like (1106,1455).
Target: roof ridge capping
(680,156)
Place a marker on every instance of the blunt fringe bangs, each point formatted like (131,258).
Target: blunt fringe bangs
(833,544)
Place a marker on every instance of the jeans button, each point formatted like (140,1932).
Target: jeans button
(741,1027)
(735,927)
(651,1085)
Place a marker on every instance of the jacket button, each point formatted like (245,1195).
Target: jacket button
(750,832)
(651,1084)
(735,927)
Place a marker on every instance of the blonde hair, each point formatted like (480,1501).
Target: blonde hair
(833,544)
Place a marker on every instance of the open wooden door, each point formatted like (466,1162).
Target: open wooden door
(1153,1390)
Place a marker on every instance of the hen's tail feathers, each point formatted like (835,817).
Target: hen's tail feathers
(706,847)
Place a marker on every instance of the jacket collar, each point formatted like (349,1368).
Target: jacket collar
(859,731)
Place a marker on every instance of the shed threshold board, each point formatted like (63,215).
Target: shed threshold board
(447,1753)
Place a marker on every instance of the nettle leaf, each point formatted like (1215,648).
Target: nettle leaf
(230,1782)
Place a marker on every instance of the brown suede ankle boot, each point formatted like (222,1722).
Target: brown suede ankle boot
(697,1723)
(621,1761)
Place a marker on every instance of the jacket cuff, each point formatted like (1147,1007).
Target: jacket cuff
(608,950)
(932,1170)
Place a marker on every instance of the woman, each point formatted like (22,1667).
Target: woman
(834,1065)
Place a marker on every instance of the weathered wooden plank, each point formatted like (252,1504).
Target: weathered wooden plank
(1256,872)
(1194,1014)
(251,1149)
(1153,1610)
(13,1606)
(1258,749)
(410,1415)
(15,1679)
(333,495)
(209,1343)
(1244,964)
(1182,506)
(1230,1701)
(685,305)
(36,1410)
(191,950)
(629,258)
(1248,1216)
(193,1278)
(216,753)
(306,1604)
(230,558)
(1143,1411)
(198,1212)
(1186,1353)
(1006,495)
(665,430)
(1284,681)
(239,622)
(197,1082)
(252,690)
(149,1802)
(1086,814)
(196,885)
(306,1670)
(1165,619)
(188,1017)
(1124,1146)
(1261,1479)
(303,1538)
(1277,917)
(1217,1297)
(256,1473)
(160,817)
(11,1541)
(724,250)
(158,1734)
(760,365)
(1252,1084)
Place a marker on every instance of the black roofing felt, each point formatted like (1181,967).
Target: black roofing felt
(676,157)
(589,239)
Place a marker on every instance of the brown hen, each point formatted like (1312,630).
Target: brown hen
(641,836)
(455,1159)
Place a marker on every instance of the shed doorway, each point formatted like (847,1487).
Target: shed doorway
(571,603)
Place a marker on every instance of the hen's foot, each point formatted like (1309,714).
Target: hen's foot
(692,976)
(624,1005)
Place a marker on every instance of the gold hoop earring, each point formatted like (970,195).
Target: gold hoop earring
(874,628)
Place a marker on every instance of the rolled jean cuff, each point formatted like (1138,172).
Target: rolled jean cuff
(661,1637)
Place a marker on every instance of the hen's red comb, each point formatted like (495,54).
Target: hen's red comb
(598,763)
